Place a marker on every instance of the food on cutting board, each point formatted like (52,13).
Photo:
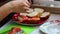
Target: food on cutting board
(16,30)
(33,17)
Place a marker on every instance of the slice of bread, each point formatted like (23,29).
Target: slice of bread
(36,12)
(30,10)
(33,14)
(45,14)
(39,10)
(24,14)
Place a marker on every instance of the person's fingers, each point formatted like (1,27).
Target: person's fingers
(26,4)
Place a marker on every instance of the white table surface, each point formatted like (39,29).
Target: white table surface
(36,31)
(52,17)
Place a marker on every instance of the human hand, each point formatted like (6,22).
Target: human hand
(20,5)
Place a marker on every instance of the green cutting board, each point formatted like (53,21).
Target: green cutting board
(27,29)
